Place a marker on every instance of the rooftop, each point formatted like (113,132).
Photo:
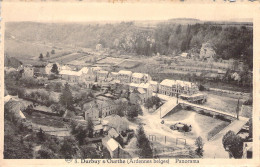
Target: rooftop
(69,72)
(138,75)
(153,82)
(112,144)
(168,82)
(125,72)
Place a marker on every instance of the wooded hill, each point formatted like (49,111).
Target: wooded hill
(167,38)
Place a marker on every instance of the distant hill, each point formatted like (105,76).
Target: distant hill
(229,39)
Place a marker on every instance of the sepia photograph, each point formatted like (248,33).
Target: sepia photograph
(142,89)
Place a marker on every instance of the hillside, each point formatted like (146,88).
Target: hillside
(11,62)
(167,38)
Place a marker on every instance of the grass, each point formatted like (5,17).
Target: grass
(45,120)
(217,129)
(128,64)
(223,103)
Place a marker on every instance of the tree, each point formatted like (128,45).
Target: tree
(120,110)
(133,111)
(81,134)
(199,143)
(41,57)
(143,143)
(250,124)
(54,69)
(150,102)
(68,149)
(66,98)
(233,144)
(58,108)
(41,135)
(90,127)
(45,154)
(47,54)
(52,51)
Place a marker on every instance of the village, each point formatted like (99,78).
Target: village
(115,104)
(127,90)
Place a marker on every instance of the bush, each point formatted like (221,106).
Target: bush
(201,88)
(45,154)
(52,77)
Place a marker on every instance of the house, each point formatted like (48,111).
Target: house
(96,69)
(124,76)
(106,107)
(172,87)
(120,124)
(113,75)
(185,55)
(97,129)
(185,87)
(87,76)
(137,78)
(70,76)
(139,95)
(166,87)
(112,146)
(112,133)
(91,111)
(99,109)
(99,47)
(133,86)
(140,78)
(39,69)
(28,71)
(102,75)
(154,86)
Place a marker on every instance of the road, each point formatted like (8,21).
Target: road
(212,149)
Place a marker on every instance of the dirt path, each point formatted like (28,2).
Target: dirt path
(153,126)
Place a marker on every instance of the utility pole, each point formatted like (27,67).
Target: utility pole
(160,112)
(237,109)
(177,97)
(118,151)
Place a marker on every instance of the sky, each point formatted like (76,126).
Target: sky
(85,12)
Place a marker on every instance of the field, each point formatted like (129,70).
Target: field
(129,64)
(223,103)
(68,58)
(110,60)
(15,48)
(46,120)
